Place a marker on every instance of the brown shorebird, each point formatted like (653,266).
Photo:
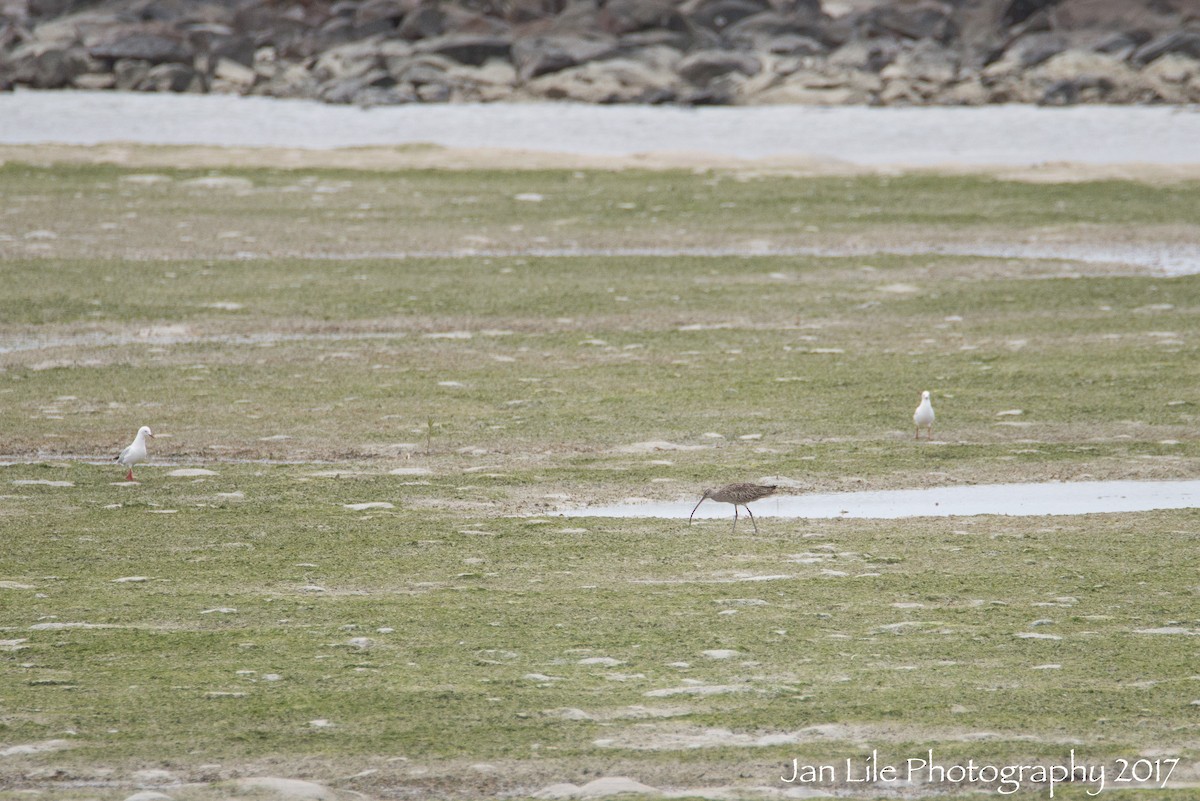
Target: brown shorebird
(738,495)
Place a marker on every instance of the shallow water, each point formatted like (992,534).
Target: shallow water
(1052,498)
(1167,259)
(990,135)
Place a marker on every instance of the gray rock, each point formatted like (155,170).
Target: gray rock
(391,96)
(1070,91)
(168,78)
(54,8)
(129,72)
(235,73)
(153,44)
(1184,43)
(753,32)
(701,68)
(93,81)
(434,93)
(348,61)
(425,22)
(927,63)
(540,55)
(618,80)
(236,48)
(868,55)
(659,59)
(43,65)
(420,70)
(1079,76)
(630,16)
(346,90)
(793,45)
(1121,43)
(371,11)
(334,32)
(679,40)
(467,48)
(718,15)
(925,19)
(1034,49)
(292,81)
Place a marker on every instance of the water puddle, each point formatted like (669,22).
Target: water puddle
(1169,259)
(1054,498)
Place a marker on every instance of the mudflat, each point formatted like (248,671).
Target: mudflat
(375,386)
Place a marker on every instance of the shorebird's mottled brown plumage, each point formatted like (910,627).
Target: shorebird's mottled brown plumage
(738,495)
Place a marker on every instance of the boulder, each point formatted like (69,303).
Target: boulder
(755,32)
(924,19)
(1184,43)
(629,16)
(49,65)
(677,40)
(345,90)
(130,72)
(702,67)
(235,73)
(151,43)
(539,55)
(290,32)
(233,47)
(169,78)
(467,48)
(430,20)
(289,80)
(41,9)
(1031,50)
(717,15)
(1076,76)
(348,61)
(93,81)
(1173,69)
(1119,45)
(521,11)
(399,95)
(866,55)
(617,80)
(419,70)
(372,11)
(792,45)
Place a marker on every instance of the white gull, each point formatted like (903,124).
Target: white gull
(135,452)
(923,416)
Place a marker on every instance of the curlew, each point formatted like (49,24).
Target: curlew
(738,495)
(923,417)
(135,452)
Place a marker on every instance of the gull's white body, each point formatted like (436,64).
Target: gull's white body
(135,452)
(923,416)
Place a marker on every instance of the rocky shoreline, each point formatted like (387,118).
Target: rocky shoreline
(696,52)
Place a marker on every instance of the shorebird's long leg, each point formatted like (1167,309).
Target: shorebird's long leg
(735,517)
(917,433)
(129,475)
(752,520)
